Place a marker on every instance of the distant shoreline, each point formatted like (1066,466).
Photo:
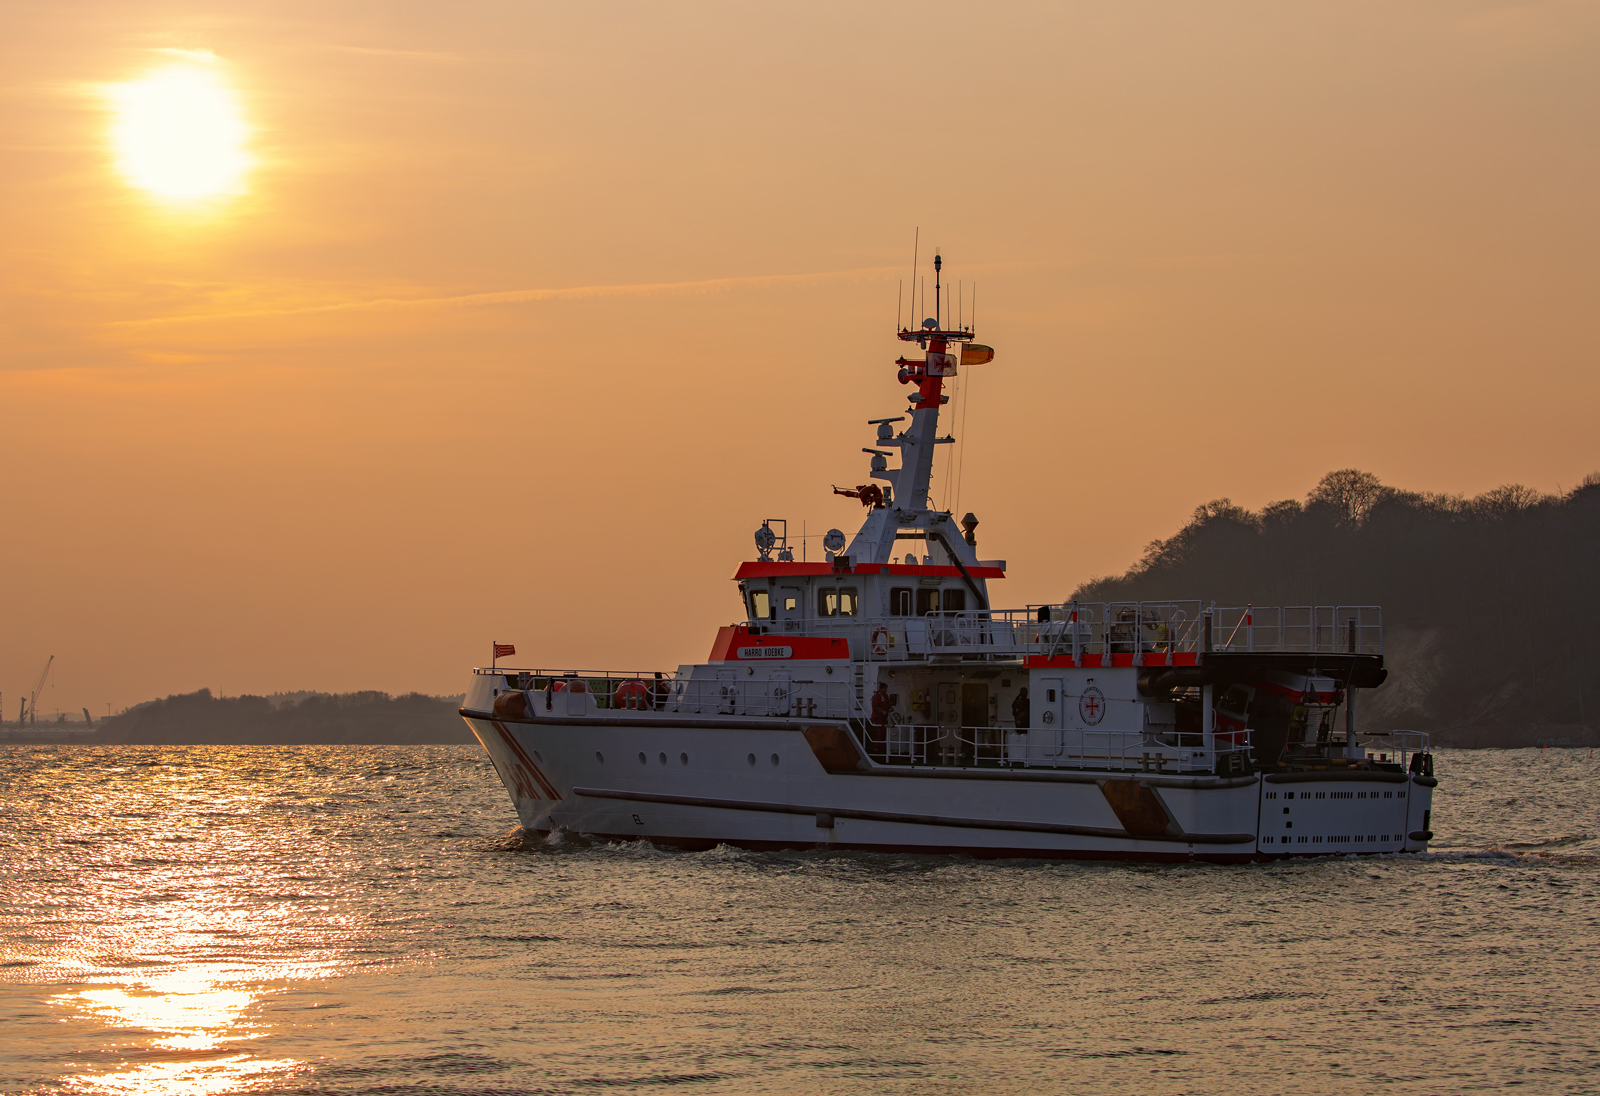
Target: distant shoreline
(293,719)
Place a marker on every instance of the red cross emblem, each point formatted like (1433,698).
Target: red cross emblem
(1092,705)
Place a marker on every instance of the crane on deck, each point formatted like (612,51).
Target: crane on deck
(29,705)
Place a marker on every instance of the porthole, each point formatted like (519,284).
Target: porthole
(683,758)
(663,759)
(600,757)
(774,759)
(642,758)
(751,759)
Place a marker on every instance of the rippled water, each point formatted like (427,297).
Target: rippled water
(355,919)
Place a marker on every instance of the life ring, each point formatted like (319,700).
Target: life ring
(881,638)
(634,694)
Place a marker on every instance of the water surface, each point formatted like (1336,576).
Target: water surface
(209,919)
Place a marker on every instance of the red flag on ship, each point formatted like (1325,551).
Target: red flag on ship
(501,650)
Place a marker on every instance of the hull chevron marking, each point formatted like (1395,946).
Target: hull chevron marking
(1139,809)
(545,786)
(914,819)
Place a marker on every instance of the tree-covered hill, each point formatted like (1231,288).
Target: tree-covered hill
(300,719)
(1491,604)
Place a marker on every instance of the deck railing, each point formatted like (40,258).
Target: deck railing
(1396,746)
(1152,632)
(1110,750)
(730,692)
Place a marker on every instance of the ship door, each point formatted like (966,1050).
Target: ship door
(975,719)
(780,692)
(1049,710)
(791,608)
(727,691)
(974,704)
(946,749)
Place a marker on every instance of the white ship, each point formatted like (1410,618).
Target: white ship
(878,700)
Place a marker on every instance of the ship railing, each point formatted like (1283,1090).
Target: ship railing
(1154,632)
(1397,746)
(774,694)
(612,689)
(1112,750)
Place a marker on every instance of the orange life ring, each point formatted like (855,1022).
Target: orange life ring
(634,694)
(881,638)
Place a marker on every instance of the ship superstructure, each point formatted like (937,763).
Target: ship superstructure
(878,700)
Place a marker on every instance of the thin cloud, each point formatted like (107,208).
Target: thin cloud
(649,289)
(522,296)
(403,54)
(192,54)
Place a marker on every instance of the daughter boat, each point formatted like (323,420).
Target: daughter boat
(877,700)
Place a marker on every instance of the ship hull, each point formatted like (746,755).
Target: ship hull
(765,784)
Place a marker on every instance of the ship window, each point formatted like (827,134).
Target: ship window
(760,605)
(927,602)
(900,601)
(1050,695)
(790,604)
(954,601)
(836,602)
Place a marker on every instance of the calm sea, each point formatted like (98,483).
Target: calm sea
(358,920)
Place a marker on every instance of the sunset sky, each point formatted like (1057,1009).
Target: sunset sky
(513,320)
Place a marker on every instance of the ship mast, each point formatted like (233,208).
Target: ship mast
(947,348)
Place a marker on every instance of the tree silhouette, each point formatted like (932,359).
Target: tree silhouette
(1493,600)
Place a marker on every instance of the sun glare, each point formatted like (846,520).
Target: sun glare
(179,135)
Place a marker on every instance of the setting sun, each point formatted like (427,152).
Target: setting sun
(179,135)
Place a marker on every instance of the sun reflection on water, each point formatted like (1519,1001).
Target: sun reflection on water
(169,922)
(189,1021)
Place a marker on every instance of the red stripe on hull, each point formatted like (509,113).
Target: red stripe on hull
(534,771)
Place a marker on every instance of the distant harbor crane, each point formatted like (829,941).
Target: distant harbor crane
(30,705)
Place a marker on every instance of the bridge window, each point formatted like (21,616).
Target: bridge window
(841,601)
(900,601)
(760,605)
(927,602)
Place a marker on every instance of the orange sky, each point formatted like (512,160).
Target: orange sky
(529,314)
